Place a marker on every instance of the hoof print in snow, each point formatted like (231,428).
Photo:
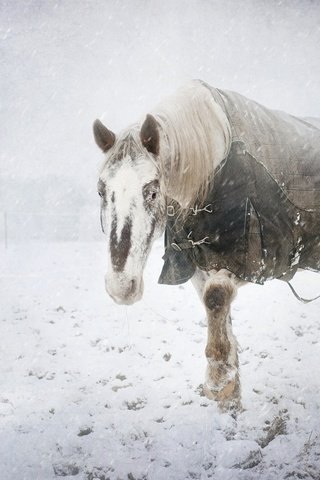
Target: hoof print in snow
(119,387)
(132,477)
(66,469)
(208,466)
(298,331)
(42,375)
(194,475)
(85,431)
(121,377)
(159,420)
(99,473)
(136,404)
(123,349)
(60,309)
(166,357)
(186,402)
(200,390)
(264,354)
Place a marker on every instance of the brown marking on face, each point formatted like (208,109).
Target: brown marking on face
(120,249)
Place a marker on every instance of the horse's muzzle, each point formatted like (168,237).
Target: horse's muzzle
(124,291)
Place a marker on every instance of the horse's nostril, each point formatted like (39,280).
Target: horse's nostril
(133,286)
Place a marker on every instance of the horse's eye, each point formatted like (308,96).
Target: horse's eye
(150,191)
(101,187)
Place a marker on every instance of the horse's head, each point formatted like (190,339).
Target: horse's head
(133,204)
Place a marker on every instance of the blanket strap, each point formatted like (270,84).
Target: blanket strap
(189,243)
(303,300)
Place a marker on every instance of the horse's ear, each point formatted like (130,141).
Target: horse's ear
(104,138)
(149,135)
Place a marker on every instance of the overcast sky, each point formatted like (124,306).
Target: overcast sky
(66,62)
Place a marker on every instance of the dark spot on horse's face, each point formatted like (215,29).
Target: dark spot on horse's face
(126,147)
(119,248)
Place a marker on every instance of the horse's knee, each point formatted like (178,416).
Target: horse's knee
(219,293)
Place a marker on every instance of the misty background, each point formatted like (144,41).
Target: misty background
(66,62)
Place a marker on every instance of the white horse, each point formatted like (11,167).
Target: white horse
(171,159)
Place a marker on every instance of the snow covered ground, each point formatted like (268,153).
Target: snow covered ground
(91,390)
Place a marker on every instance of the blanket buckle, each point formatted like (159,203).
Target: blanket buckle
(170,210)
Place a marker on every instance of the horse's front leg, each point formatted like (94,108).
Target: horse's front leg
(217,290)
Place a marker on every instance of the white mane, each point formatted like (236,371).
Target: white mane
(195,139)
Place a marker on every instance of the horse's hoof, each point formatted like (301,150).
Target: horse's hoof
(228,397)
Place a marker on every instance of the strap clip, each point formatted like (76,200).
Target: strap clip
(170,210)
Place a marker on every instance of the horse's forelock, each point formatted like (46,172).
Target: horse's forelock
(128,145)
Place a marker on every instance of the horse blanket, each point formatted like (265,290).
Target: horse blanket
(261,219)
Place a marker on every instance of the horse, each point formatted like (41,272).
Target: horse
(236,189)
